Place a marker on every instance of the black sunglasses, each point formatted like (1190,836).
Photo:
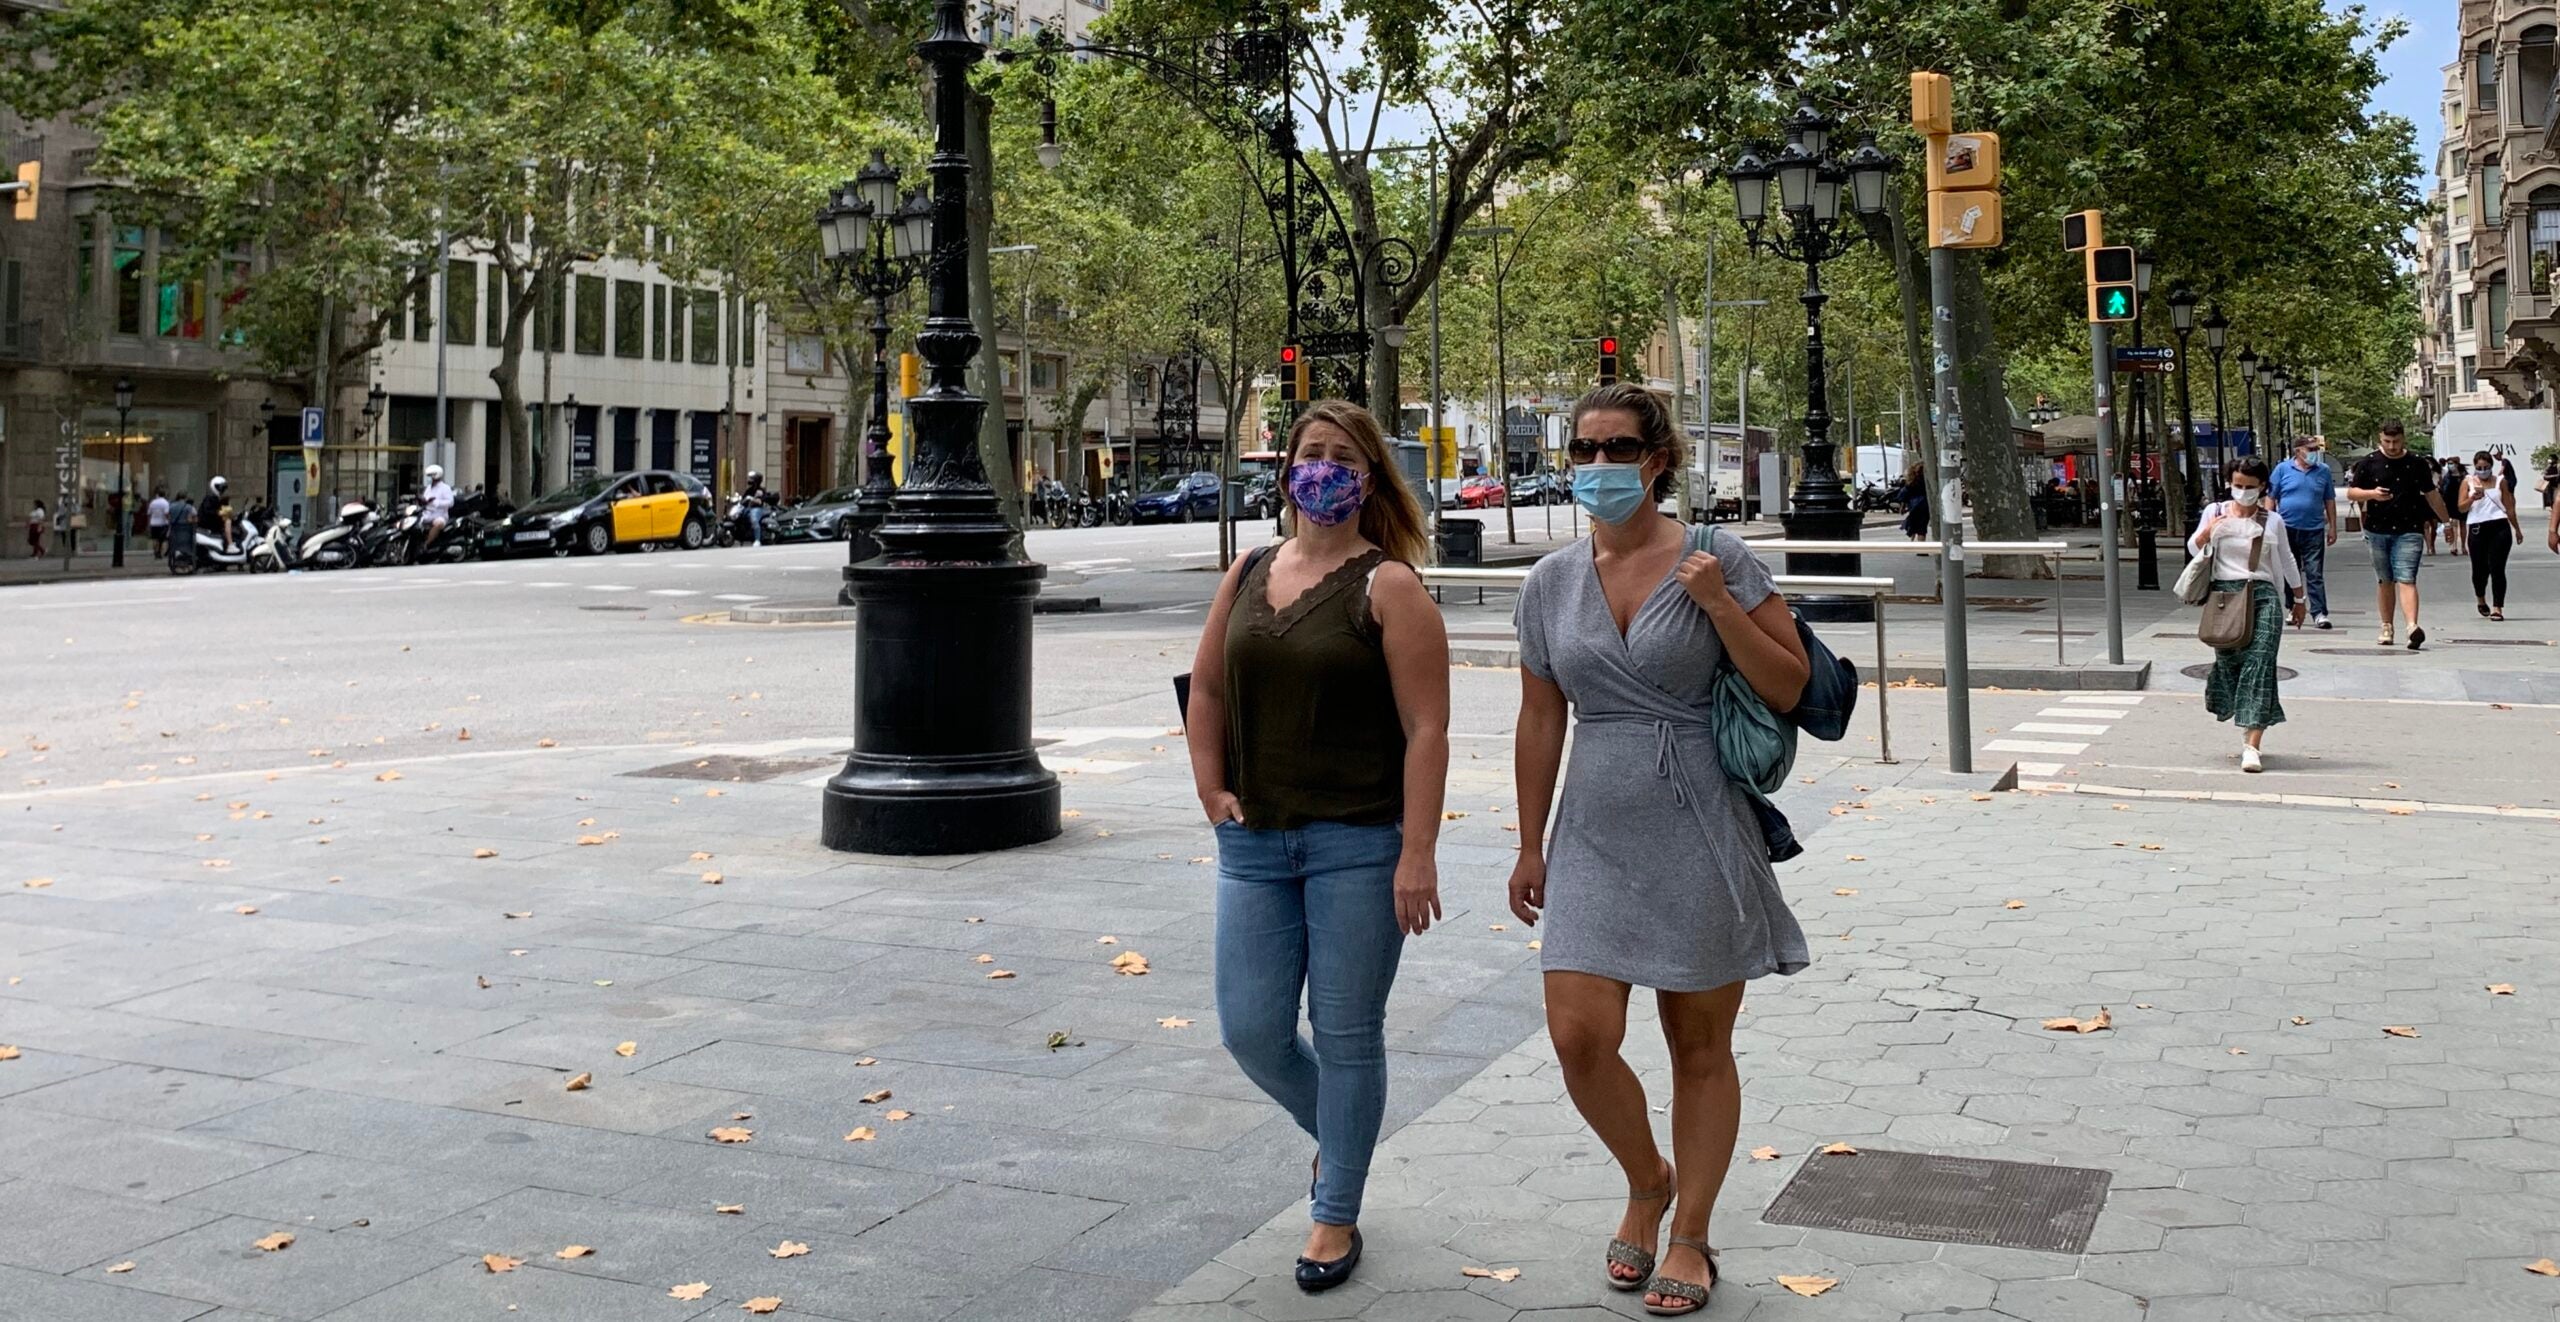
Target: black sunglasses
(1620,449)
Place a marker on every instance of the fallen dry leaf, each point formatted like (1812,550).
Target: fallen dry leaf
(120,1269)
(1000,973)
(274,1243)
(590,839)
(1106,940)
(712,879)
(1981,798)
(1452,815)
(1503,1274)
(9,1053)
(1173,1021)
(867,1060)
(788,1249)
(484,981)
(1857,858)
(1844,890)
(732,1134)
(983,959)
(698,1288)
(973,920)
(484,853)
(499,1262)
(2142,1005)
(626,1049)
(546,743)
(578,1082)
(1837,1150)
(245,909)
(2094,1024)
(1072,813)
(519,913)
(2543,1267)
(2400,1030)
(1764,1154)
(2502,989)
(862,1134)
(388,776)
(701,856)
(762,1303)
(1808,1286)
(2015,904)
(2298,1021)
(2237,1051)
(574,1251)
(1130,964)
(2153,848)
(36,883)
(731,1209)
(899,1115)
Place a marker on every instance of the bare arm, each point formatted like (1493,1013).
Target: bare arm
(1204,728)
(1417,646)
(1762,641)
(1537,752)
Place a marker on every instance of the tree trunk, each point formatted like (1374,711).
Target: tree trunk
(995,451)
(1071,426)
(1911,276)
(857,413)
(521,285)
(1993,478)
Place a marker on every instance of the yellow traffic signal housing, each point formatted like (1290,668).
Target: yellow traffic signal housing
(2083,230)
(1960,161)
(30,179)
(1968,219)
(910,375)
(2112,295)
(1933,101)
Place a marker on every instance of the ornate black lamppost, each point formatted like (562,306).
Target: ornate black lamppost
(124,464)
(2217,333)
(2182,319)
(874,245)
(1809,179)
(942,760)
(2146,484)
(2279,426)
(2264,436)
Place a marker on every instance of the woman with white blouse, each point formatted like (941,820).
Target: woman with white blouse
(2246,538)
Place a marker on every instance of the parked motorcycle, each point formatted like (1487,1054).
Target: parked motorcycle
(206,551)
(1875,496)
(460,540)
(341,545)
(1120,503)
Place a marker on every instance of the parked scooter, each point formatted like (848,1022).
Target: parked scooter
(341,545)
(206,550)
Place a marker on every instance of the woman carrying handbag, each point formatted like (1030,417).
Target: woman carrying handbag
(2252,571)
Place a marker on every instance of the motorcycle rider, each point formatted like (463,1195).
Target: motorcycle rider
(214,511)
(435,508)
(757,501)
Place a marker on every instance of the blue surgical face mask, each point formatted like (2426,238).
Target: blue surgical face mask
(1611,493)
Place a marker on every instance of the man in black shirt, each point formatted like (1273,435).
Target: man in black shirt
(2397,491)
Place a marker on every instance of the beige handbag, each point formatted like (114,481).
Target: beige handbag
(2230,617)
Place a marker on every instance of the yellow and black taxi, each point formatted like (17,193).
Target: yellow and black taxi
(605,512)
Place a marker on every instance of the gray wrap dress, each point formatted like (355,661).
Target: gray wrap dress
(1657,874)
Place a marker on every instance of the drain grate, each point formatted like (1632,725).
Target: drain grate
(619,610)
(2501,642)
(1949,1200)
(725,766)
(2204,670)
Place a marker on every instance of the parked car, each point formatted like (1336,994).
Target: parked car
(1178,499)
(820,518)
(1480,493)
(605,512)
(1540,489)
(1261,499)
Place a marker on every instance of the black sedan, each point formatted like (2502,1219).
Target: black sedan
(1179,499)
(820,518)
(605,512)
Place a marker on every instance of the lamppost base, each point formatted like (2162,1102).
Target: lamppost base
(943,762)
(1826,525)
(868,513)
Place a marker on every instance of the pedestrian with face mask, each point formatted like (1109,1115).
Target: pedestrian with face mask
(2488,511)
(2251,552)
(2307,497)
(1319,733)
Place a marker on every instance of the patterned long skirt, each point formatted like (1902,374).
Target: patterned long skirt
(2242,687)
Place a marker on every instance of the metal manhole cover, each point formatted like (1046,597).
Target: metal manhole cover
(1949,1200)
(724,766)
(2204,670)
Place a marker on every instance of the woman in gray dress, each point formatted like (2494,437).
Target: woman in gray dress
(1654,873)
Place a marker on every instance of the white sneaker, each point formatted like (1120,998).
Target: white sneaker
(2249,759)
(2320,621)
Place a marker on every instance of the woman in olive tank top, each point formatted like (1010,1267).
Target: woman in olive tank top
(1319,738)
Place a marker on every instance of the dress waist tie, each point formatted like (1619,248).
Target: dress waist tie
(1668,765)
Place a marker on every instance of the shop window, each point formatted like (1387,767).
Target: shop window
(128,277)
(658,323)
(461,302)
(84,255)
(588,333)
(705,306)
(630,318)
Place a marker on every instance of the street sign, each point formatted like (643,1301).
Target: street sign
(314,425)
(2150,365)
(2158,353)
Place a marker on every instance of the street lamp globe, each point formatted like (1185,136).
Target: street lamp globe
(2143,266)
(1750,177)
(2248,363)
(1809,128)
(1050,153)
(1394,335)
(914,232)
(2282,379)
(1869,168)
(1826,193)
(1796,170)
(829,246)
(2182,310)
(853,216)
(877,182)
(124,394)
(2217,330)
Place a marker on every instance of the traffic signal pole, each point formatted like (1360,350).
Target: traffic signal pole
(2102,368)
(1942,352)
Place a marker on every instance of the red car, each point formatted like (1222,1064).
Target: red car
(1479,493)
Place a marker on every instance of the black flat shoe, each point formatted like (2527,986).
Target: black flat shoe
(2417,639)
(1317,1277)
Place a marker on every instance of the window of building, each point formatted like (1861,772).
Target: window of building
(2495,333)
(2493,199)
(180,306)
(2470,373)
(705,307)
(2462,256)
(746,323)
(2534,69)
(461,302)
(235,296)
(547,310)
(2542,235)
(497,306)
(84,253)
(587,333)
(2464,311)
(1012,373)
(128,277)
(2484,77)
(658,323)
(1045,371)
(396,324)
(2461,162)
(630,318)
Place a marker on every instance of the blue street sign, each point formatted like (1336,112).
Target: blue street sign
(313,425)
(2145,354)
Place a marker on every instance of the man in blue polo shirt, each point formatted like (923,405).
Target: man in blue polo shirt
(2307,497)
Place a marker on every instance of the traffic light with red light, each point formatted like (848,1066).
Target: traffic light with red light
(1608,360)
(1294,383)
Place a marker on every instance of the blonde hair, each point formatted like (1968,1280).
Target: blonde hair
(1653,426)
(1389,517)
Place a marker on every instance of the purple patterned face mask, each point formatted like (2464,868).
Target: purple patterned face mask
(1326,492)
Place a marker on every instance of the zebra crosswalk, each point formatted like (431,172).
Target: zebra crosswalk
(2062,731)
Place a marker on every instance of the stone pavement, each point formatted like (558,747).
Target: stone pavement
(2275,1153)
(300,1001)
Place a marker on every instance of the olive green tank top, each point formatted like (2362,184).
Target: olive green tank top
(1312,729)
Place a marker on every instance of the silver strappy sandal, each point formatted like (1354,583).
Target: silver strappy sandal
(1694,1293)
(1624,1254)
